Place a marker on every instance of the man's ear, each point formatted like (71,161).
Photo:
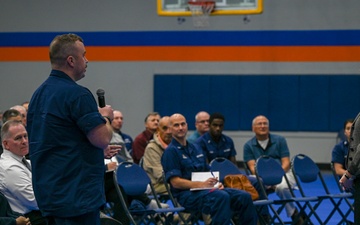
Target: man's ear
(5,144)
(70,60)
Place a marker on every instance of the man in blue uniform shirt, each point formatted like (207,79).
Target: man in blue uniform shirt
(180,159)
(67,136)
(340,151)
(216,144)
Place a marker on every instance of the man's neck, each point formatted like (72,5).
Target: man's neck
(182,141)
(150,130)
(215,138)
(262,137)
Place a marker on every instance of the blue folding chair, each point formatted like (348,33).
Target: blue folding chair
(226,167)
(307,172)
(270,173)
(187,217)
(134,181)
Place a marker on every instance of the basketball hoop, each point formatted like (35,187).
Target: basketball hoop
(200,11)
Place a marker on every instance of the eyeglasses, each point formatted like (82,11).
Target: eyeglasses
(203,121)
(265,124)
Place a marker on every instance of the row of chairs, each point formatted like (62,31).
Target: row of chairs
(269,173)
(134,181)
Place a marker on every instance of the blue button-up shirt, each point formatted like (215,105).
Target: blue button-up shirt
(68,171)
(181,161)
(224,148)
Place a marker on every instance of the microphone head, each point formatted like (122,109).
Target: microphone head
(100,92)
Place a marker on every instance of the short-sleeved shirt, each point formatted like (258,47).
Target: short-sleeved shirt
(277,148)
(181,161)
(193,137)
(224,148)
(339,153)
(68,171)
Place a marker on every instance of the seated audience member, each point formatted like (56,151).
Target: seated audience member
(201,125)
(8,216)
(340,151)
(153,153)
(12,114)
(22,111)
(117,124)
(15,172)
(180,159)
(25,105)
(216,144)
(276,147)
(140,142)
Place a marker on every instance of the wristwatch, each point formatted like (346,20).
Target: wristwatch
(347,177)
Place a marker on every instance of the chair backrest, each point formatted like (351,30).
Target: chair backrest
(305,168)
(225,167)
(132,178)
(269,170)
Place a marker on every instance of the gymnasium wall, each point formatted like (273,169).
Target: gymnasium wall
(128,43)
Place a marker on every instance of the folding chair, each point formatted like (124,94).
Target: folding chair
(307,172)
(192,217)
(134,181)
(226,167)
(270,173)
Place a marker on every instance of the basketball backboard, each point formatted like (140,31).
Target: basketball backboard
(222,7)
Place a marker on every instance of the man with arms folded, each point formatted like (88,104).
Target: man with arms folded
(180,159)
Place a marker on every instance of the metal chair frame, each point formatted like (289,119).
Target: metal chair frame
(134,181)
(306,171)
(226,167)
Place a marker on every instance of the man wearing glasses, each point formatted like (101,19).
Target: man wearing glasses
(201,124)
(276,147)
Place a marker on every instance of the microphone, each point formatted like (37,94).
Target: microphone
(101,97)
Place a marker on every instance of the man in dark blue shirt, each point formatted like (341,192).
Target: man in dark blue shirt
(67,137)
(180,159)
(340,151)
(216,144)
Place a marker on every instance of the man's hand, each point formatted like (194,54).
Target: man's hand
(111,150)
(22,221)
(107,111)
(347,182)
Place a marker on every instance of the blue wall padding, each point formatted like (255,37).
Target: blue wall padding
(291,102)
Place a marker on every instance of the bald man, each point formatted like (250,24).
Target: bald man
(153,153)
(180,159)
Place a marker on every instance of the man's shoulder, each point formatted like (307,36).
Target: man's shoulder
(126,136)
(251,141)
(276,137)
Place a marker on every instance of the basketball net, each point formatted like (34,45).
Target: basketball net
(200,11)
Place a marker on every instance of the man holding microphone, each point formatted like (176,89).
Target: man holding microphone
(67,137)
